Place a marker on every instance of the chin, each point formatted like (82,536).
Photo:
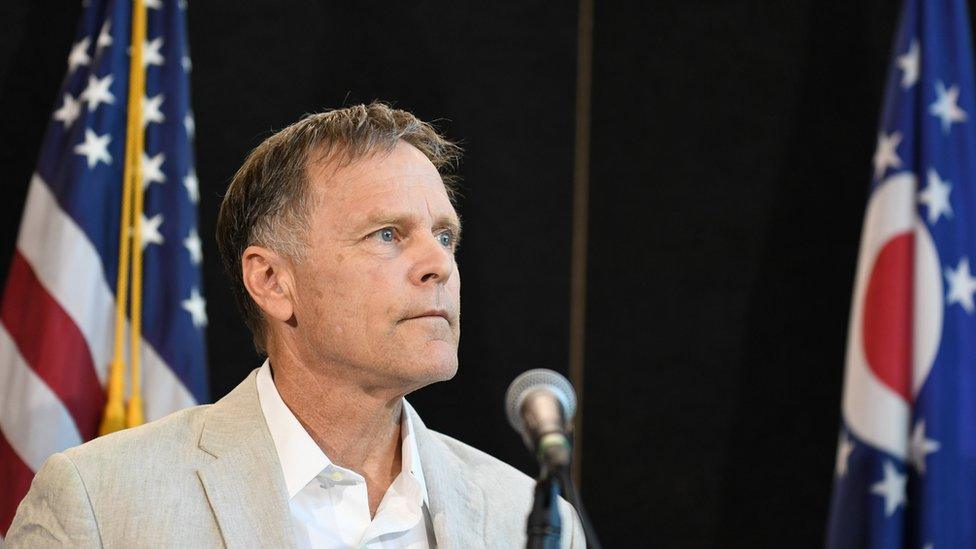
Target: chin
(444,372)
(437,365)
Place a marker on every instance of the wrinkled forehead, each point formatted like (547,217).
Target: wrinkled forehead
(395,181)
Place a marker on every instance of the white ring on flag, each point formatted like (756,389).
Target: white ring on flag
(872,410)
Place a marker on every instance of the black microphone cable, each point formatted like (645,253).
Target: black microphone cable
(572,496)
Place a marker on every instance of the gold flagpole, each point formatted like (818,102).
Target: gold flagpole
(134,415)
(116,417)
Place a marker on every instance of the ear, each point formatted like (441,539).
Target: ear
(268,278)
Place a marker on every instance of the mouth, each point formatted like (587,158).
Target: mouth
(433,313)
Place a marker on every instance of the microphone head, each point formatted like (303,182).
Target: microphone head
(534,380)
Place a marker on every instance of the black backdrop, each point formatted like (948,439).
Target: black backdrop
(730,152)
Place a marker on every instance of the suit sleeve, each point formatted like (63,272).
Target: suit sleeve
(56,510)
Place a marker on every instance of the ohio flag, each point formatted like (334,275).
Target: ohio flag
(906,457)
(57,315)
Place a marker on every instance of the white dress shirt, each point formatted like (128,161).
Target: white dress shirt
(329,505)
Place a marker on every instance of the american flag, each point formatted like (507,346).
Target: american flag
(906,458)
(57,316)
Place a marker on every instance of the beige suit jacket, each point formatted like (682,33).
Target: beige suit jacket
(209,476)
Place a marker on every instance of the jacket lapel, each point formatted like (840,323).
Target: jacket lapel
(456,504)
(244,485)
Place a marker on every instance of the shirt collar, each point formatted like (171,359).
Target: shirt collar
(410,454)
(301,458)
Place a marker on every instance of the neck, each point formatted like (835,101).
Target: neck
(357,428)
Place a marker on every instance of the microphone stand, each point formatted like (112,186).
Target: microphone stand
(544,527)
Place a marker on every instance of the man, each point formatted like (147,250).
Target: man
(339,235)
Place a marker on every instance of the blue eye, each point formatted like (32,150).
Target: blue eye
(447,239)
(386,235)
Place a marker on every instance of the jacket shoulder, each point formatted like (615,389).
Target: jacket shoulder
(167,441)
(55,511)
(508,492)
(76,496)
(494,476)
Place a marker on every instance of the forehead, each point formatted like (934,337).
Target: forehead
(394,181)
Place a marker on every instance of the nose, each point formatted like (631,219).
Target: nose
(434,262)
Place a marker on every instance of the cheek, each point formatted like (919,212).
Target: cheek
(326,297)
(380,299)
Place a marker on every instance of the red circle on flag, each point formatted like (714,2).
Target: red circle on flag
(887,318)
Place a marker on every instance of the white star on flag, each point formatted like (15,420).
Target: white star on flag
(192,185)
(181,4)
(961,286)
(844,448)
(149,230)
(886,153)
(908,63)
(154,4)
(920,447)
(187,64)
(104,38)
(95,148)
(150,110)
(197,307)
(97,92)
(945,107)
(936,196)
(150,52)
(194,246)
(891,488)
(190,125)
(69,110)
(152,169)
(79,54)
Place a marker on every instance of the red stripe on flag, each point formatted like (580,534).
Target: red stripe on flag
(52,345)
(15,477)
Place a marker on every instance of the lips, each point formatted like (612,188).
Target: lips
(433,313)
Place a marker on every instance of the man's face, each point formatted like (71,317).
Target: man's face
(378,294)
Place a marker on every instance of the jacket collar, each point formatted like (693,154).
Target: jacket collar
(244,484)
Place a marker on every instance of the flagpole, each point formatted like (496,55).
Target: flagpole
(134,415)
(116,417)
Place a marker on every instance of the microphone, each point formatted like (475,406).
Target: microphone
(540,405)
